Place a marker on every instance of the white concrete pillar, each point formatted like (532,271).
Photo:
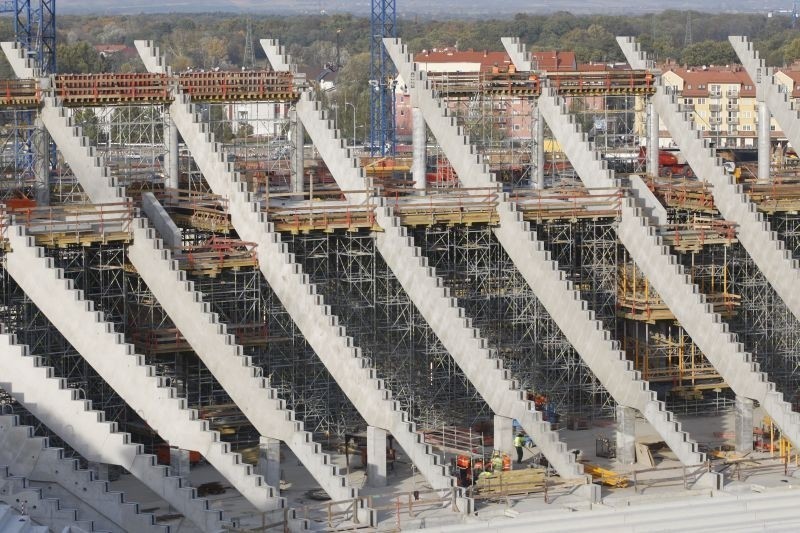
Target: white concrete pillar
(743,424)
(174,156)
(504,435)
(100,470)
(420,150)
(41,155)
(652,139)
(376,457)
(269,460)
(626,434)
(298,155)
(763,141)
(179,461)
(538,147)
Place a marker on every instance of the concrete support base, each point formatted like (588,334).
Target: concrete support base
(626,435)
(709,480)
(269,460)
(590,491)
(100,470)
(743,424)
(420,153)
(504,434)
(179,462)
(376,457)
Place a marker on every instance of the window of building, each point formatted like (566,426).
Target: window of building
(701,101)
(748,114)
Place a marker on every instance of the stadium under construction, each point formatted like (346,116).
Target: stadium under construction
(268,315)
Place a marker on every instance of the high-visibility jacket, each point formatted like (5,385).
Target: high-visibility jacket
(519,441)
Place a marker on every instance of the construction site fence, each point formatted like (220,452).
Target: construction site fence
(688,475)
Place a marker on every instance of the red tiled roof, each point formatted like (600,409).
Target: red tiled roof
(696,82)
(554,60)
(794,75)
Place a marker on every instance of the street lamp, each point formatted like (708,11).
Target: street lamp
(354,120)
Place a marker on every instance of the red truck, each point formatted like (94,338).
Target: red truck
(668,164)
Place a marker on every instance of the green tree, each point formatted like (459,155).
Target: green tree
(79,58)
(709,53)
(90,122)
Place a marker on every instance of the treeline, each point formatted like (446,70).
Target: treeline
(218,40)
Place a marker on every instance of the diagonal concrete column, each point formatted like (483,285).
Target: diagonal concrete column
(755,233)
(299,296)
(592,342)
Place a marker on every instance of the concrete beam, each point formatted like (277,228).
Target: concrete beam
(169,232)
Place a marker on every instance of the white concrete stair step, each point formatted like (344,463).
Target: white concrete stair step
(58,407)
(122,368)
(442,312)
(31,457)
(298,297)
(513,230)
(218,350)
(755,236)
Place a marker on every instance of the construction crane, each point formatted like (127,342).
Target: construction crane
(35,29)
(383,23)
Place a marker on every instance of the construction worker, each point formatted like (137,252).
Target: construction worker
(497,461)
(519,442)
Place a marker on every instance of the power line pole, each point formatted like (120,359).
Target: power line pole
(687,37)
(249,59)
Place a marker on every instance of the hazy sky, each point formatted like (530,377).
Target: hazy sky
(414,7)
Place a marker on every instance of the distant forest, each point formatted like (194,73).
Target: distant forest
(212,40)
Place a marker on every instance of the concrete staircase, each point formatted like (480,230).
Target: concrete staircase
(208,339)
(345,362)
(48,398)
(766,249)
(558,295)
(25,457)
(242,380)
(98,184)
(124,370)
(637,231)
(777,98)
(464,342)
(17,491)
(11,521)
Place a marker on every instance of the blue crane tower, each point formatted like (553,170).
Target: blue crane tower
(383,23)
(35,28)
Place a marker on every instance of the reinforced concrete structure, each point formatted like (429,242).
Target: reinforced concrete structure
(198,311)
